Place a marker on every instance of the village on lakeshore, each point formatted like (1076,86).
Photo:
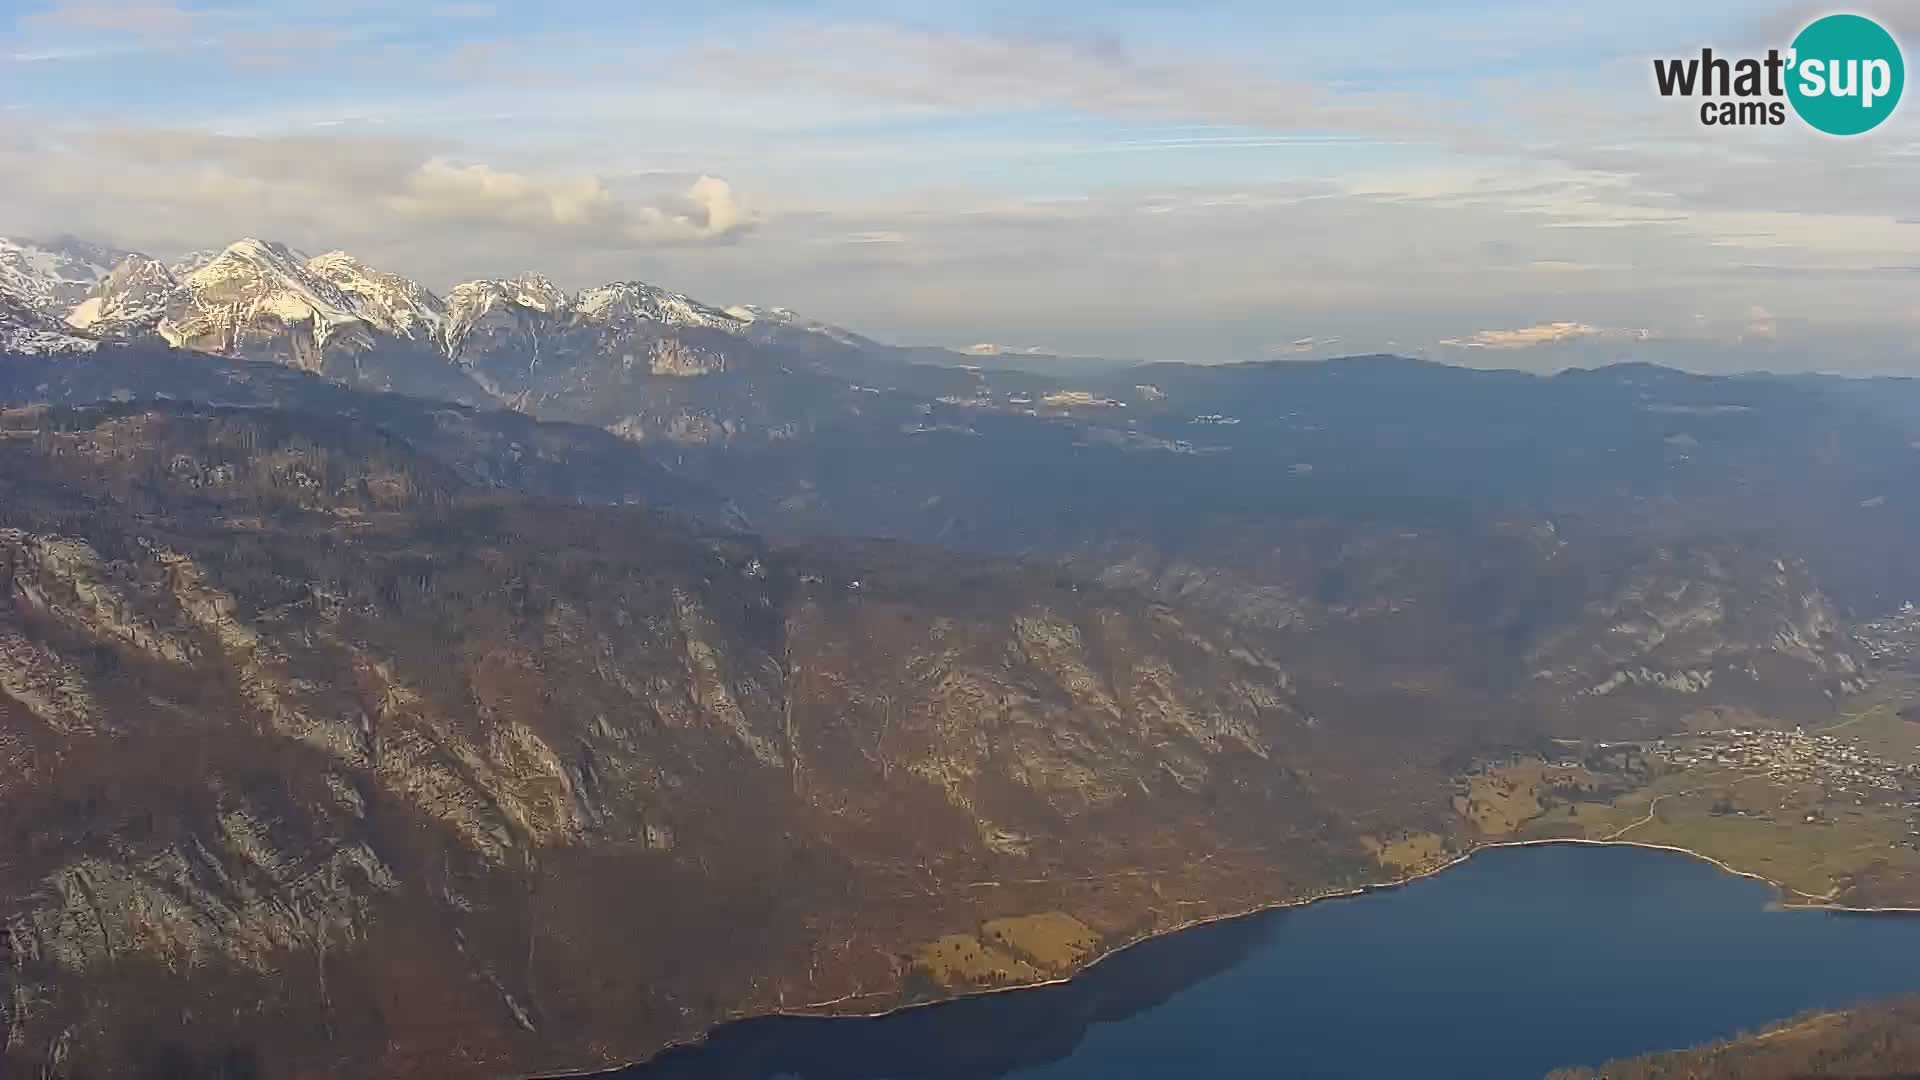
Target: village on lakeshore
(1795,756)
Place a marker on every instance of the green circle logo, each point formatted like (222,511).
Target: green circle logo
(1846,75)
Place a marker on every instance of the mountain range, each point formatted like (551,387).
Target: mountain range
(262,291)
(521,341)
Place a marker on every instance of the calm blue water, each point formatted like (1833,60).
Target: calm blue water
(1515,962)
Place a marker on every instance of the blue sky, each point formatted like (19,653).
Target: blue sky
(1490,182)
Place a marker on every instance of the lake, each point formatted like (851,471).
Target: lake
(1510,964)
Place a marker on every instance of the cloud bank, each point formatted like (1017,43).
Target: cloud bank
(1527,337)
(169,190)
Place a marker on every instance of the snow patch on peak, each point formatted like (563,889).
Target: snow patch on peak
(400,306)
(769,322)
(528,290)
(130,300)
(527,300)
(625,301)
(248,259)
(39,341)
(756,313)
(137,270)
(49,277)
(97,258)
(531,290)
(338,264)
(23,330)
(191,261)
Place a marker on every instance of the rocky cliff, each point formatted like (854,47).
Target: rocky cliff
(318,757)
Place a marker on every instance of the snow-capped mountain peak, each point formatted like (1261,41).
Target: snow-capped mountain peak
(400,306)
(256,292)
(768,323)
(757,313)
(49,277)
(83,252)
(130,300)
(248,260)
(625,301)
(192,260)
(472,302)
(24,330)
(535,291)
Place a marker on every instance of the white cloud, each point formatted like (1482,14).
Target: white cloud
(578,206)
(175,190)
(1526,337)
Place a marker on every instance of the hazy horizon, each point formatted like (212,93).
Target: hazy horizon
(1490,183)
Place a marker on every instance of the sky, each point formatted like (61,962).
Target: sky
(1493,182)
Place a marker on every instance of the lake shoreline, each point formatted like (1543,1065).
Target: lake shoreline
(825,1010)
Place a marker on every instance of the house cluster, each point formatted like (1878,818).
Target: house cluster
(1791,757)
(1079,399)
(1892,638)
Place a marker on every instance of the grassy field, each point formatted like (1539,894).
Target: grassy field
(1019,948)
(961,960)
(1502,798)
(1820,842)
(1817,858)
(1409,852)
(1052,940)
(1624,814)
(1874,720)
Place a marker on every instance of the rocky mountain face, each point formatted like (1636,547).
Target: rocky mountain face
(395,305)
(786,327)
(320,758)
(24,331)
(1606,550)
(533,345)
(488,448)
(128,302)
(328,315)
(261,301)
(49,277)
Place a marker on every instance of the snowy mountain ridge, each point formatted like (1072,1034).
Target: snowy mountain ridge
(512,340)
(398,305)
(23,330)
(49,277)
(771,321)
(206,299)
(129,301)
